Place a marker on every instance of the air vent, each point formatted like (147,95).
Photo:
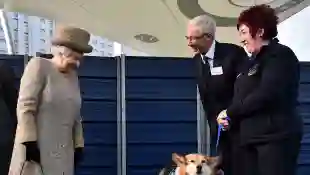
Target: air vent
(146,38)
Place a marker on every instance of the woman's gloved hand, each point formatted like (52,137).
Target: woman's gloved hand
(78,156)
(32,152)
(223,120)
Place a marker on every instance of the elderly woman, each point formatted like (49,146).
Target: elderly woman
(265,98)
(49,129)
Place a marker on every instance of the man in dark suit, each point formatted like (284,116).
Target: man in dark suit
(8,120)
(217,65)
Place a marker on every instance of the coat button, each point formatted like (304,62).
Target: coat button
(62,145)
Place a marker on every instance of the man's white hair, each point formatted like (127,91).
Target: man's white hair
(205,23)
(61,51)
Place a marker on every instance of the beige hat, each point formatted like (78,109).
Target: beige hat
(74,38)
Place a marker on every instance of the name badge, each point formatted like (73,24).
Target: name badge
(217,71)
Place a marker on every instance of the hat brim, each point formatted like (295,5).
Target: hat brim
(74,46)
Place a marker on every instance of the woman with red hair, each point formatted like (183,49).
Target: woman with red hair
(265,98)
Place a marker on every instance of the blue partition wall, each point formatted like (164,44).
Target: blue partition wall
(304,110)
(98,89)
(161,112)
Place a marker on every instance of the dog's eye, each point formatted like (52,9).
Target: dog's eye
(203,161)
(191,161)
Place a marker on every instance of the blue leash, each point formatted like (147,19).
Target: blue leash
(219,130)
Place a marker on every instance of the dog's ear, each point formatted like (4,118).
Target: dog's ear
(214,161)
(178,159)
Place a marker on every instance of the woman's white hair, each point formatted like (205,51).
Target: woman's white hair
(61,51)
(205,23)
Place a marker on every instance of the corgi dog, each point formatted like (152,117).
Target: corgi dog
(193,164)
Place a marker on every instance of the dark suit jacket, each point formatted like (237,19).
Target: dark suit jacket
(8,102)
(216,91)
(265,96)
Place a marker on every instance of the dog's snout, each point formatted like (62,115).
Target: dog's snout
(199,169)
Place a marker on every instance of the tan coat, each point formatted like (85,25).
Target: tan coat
(48,112)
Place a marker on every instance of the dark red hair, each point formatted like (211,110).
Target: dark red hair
(260,17)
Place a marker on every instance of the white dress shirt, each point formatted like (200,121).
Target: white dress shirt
(210,55)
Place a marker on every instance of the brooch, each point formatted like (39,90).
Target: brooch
(253,70)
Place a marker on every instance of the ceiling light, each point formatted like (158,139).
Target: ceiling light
(146,38)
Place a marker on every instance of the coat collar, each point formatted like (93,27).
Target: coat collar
(211,51)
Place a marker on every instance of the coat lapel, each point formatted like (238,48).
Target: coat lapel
(218,55)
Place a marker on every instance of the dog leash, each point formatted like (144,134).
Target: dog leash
(219,130)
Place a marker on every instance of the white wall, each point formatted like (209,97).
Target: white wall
(295,33)
(33,34)
(30,34)
(101,46)
(132,52)
(122,49)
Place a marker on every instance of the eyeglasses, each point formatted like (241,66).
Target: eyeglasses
(198,37)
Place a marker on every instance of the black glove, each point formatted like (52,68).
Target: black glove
(32,152)
(78,156)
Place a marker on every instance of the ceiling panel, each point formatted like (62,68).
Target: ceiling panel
(121,20)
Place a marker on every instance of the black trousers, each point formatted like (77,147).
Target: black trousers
(230,154)
(5,157)
(271,158)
